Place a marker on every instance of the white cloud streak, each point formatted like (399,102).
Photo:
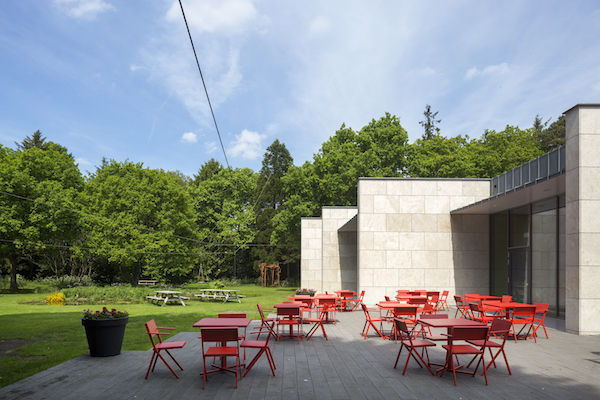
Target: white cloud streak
(490,70)
(189,137)
(247,145)
(84,9)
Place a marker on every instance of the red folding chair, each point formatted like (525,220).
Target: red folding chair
(453,349)
(221,336)
(240,335)
(317,323)
(370,322)
(411,344)
(266,324)
(290,317)
(540,309)
(523,315)
(479,314)
(500,328)
(330,305)
(158,346)
(461,307)
(443,303)
(359,301)
(407,314)
(263,348)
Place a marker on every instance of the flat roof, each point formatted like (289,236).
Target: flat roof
(554,186)
(582,105)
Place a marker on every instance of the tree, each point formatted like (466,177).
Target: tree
(269,198)
(210,168)
(441,157)
(224,216)
(553,136)
(41,220)
(141,220)
(429,124)
(38,141)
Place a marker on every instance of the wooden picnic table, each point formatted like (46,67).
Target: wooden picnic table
(225,294)
(166,296)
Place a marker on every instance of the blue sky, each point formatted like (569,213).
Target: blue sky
(117,79)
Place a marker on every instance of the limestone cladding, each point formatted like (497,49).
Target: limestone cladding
(407,238)
(582,219)
(311,253)
(339,249)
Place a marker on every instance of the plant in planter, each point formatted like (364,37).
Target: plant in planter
(104,330)
(308,292)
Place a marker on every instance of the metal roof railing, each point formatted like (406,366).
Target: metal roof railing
(536,170)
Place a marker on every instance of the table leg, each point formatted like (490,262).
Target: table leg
(181,300)
(165,301)
(226,295)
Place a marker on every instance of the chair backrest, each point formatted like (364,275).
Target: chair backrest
(289,311)
(434,316)
(406,311)
(152,331)
(387,298)
(500,326)
(444,294)
(327,302)
(232,315)
(417,301)
(469,333)
(474,307)
(541,307)
(427,309)
(459,301)
(506,299)
(366,311)
(261,312)
(524,312)
(431,293)
(219,334)
(362,295)
(401,327)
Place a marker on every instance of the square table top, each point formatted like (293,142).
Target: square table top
(167,291)
(222,323)
(345,292)
(449,322)
(303,297)
(506,305)
(297,304)
(395,304)
(481,297)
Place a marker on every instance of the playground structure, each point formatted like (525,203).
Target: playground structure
(270,272)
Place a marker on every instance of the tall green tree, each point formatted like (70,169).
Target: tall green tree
(270,196)
(225,218)
(430,123)
(552,136)
(142,221)
(41,220)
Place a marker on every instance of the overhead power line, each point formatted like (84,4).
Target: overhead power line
(203,83)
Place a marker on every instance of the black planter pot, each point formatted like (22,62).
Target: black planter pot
(105,336)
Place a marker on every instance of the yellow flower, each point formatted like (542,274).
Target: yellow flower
(57,299)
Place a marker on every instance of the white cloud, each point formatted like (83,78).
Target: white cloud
(84,9)
(319,24)
(134,67)
(597,87)
(214,16)
(189,137)
(498,69)
(83,161)
(247,144)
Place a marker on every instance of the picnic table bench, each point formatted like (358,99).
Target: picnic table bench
(167,296)
(147,282)
(219,294)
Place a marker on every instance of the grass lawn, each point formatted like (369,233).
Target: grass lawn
(34,337)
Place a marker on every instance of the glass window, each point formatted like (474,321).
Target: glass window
(499,257)
(544,267)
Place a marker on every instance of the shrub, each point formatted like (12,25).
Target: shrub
(56,299)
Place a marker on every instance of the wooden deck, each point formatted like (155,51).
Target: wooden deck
(345,367)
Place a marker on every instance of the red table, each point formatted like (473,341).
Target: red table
(305,299)
(449,323)
(223,323)
(294,305)
(346,296)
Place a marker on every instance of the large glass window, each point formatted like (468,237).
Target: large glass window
(527,253)
(544,246)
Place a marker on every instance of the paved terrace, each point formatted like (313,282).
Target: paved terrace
(345,367)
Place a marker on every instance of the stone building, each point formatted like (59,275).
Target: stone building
(532,232)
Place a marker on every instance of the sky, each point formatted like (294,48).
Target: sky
(117,79)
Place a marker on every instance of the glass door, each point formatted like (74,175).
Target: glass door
(518,274)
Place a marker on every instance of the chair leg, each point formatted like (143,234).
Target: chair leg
(173,358)
(398,357)
(150,365)
(254,360)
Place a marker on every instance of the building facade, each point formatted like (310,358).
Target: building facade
(532,232)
